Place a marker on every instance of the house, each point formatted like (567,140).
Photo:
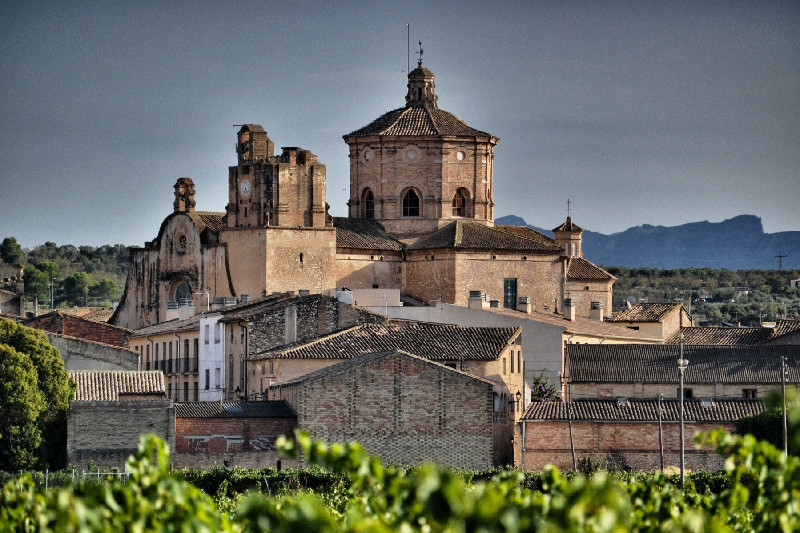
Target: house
(650,370)
(404,408)
(624,433)
(109,412)
(656,320)
(209,434)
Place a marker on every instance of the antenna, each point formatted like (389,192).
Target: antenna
(780,257)
(408,47)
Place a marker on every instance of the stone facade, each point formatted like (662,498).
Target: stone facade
(105,433)
(416,174)
(403,408)
(81,328)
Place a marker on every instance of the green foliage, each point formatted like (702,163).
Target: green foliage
(11,252)
(21,403)
(768,425)
(152,500)
(542,390)
(50,378)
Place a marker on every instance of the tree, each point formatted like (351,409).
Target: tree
(21,403)
(11,252)
(52,381)
(76,288)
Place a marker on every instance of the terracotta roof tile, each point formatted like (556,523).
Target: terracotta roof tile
(582,270)
(569,225)
(96,386)
(363,234)
(437,342)
(464,235)
(641,410)
(418,121)
(211,220)
(657,363)
(265,409)
(645,312)
(721,336)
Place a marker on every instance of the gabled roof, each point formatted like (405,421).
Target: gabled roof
(187,324)
(106,386)
(254,308)
(265,409)
(370,358)
(729,336)
(582,270)
(645,312)
(721,336)
(33,321)
(438,342)
(363,234)
(642,410)
(210,220)
(418,121)
(465,235)
(658,363)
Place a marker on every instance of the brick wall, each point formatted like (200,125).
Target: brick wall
(245,442)
(631,444)
(403,409)
(106,433)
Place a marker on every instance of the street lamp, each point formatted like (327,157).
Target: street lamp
(682,364)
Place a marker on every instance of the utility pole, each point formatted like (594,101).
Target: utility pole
(660,434)
(783,401)
(780,257)
(682,364)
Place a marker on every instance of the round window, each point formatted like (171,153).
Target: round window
(460,155)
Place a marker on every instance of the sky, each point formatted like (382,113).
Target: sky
(636,112)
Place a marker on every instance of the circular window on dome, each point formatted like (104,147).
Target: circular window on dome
(412,154)
(368,155)
(180,243)
(460,155)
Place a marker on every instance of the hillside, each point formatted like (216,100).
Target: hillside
(736,244)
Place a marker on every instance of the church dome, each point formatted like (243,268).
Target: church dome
(420,116)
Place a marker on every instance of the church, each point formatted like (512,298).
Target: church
(420,220)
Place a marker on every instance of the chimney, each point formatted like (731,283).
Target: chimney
(172,311)
(477,300)
(569,309)
(596,311)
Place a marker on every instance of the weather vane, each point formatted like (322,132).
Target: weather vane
(569,203)
(419,61)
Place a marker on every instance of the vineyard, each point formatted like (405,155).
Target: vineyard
(349,490)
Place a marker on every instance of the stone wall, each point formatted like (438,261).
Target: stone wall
(106,433)
(79,354)
(403,409)
(78,327)
(623,444)
(669,390)
(368,269)
(244,442)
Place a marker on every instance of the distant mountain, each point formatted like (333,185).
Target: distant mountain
(736,244)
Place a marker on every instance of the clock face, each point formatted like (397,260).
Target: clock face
(244,187)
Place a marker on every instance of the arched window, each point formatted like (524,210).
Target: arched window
(369,204)
(183,292)
(460,203)
(411,204)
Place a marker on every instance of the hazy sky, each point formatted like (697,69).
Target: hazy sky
(660,113)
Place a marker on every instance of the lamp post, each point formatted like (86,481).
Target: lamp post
(682,364)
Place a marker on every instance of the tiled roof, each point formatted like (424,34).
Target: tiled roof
(644,312)
(464,235)
(363,234)
(106,386)
(95,314)
(208,219)
(569,225)
(721,336)
(641,410)
(253,308)
(437,342)
(582,270)
(418,120)
(32,322)
(657,363)
(785,327)
(369,358)
(187,324)
(266,409)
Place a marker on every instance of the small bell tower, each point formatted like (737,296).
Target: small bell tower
(184,196)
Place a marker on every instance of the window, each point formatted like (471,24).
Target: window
(510,293)
(183,293)
(369,204)
(216,333)
(519,361)
(459,204)
(196,393)
(512,362)
(411,204)
(216,378)
(450,364)
(185,391)
(206,331)
(208,379)
(687,393)
(749,394)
